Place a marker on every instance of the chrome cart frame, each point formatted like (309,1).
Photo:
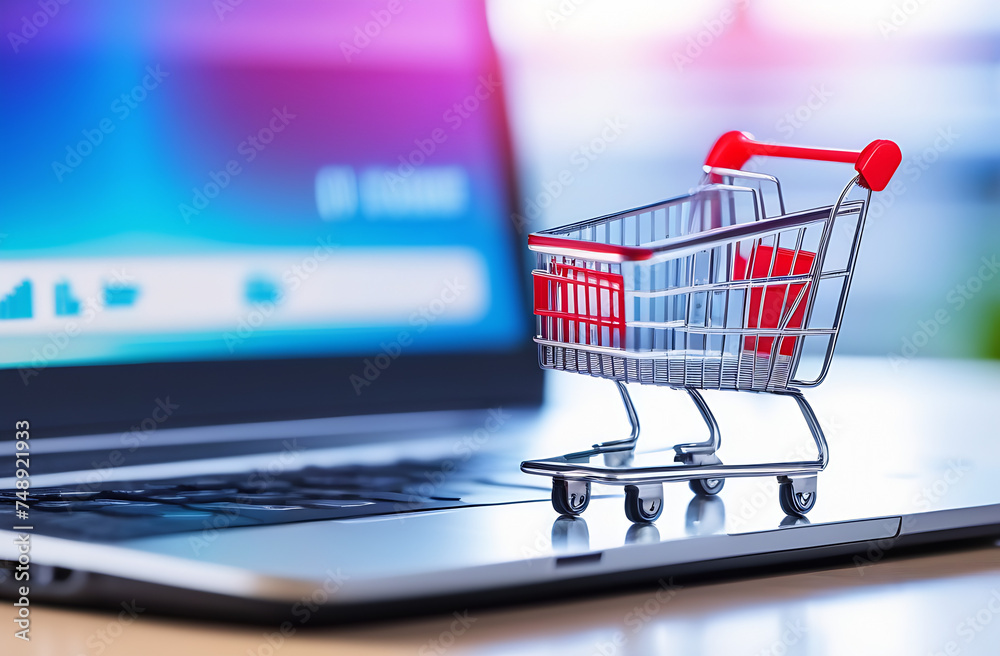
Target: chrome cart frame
(704,291)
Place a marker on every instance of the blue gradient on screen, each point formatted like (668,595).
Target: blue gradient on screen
(205,87)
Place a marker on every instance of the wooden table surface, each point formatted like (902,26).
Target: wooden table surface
(946,603)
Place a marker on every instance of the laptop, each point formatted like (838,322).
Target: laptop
(267,354)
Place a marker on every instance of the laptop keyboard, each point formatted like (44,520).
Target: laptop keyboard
(122,510)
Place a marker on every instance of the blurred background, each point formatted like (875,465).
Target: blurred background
(178,171)
(825,73)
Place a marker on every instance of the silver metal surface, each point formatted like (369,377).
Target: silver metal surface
(897,475)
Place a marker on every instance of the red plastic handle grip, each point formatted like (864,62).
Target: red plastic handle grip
(875,164)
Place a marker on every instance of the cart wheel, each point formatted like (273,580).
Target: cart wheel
(795,503)
(570,497)
(706,487)
(643,504)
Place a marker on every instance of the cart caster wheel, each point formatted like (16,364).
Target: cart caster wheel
(570,497)
(643,503)
(706,487)
(795,503)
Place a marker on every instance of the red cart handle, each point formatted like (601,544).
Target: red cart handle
(875,164)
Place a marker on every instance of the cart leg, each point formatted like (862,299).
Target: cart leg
(618,453)
(702,453)
(797,494)
(714,441)
(812,421)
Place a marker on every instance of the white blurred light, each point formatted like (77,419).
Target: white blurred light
(514,22)
(520,22)
(880,19)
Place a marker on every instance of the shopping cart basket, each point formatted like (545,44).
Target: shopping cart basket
(718,289)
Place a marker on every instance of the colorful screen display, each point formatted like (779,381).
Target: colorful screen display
(191,180)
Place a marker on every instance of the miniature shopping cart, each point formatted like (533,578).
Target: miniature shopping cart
(720,289)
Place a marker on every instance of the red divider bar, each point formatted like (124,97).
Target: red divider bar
(557,296)
(588,249)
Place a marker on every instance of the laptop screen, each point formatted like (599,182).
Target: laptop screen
(191,180)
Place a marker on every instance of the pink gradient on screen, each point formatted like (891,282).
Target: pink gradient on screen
(366,34)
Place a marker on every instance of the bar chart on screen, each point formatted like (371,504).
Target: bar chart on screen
(17,303)
(365,286)
(66,304)
(120,295)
